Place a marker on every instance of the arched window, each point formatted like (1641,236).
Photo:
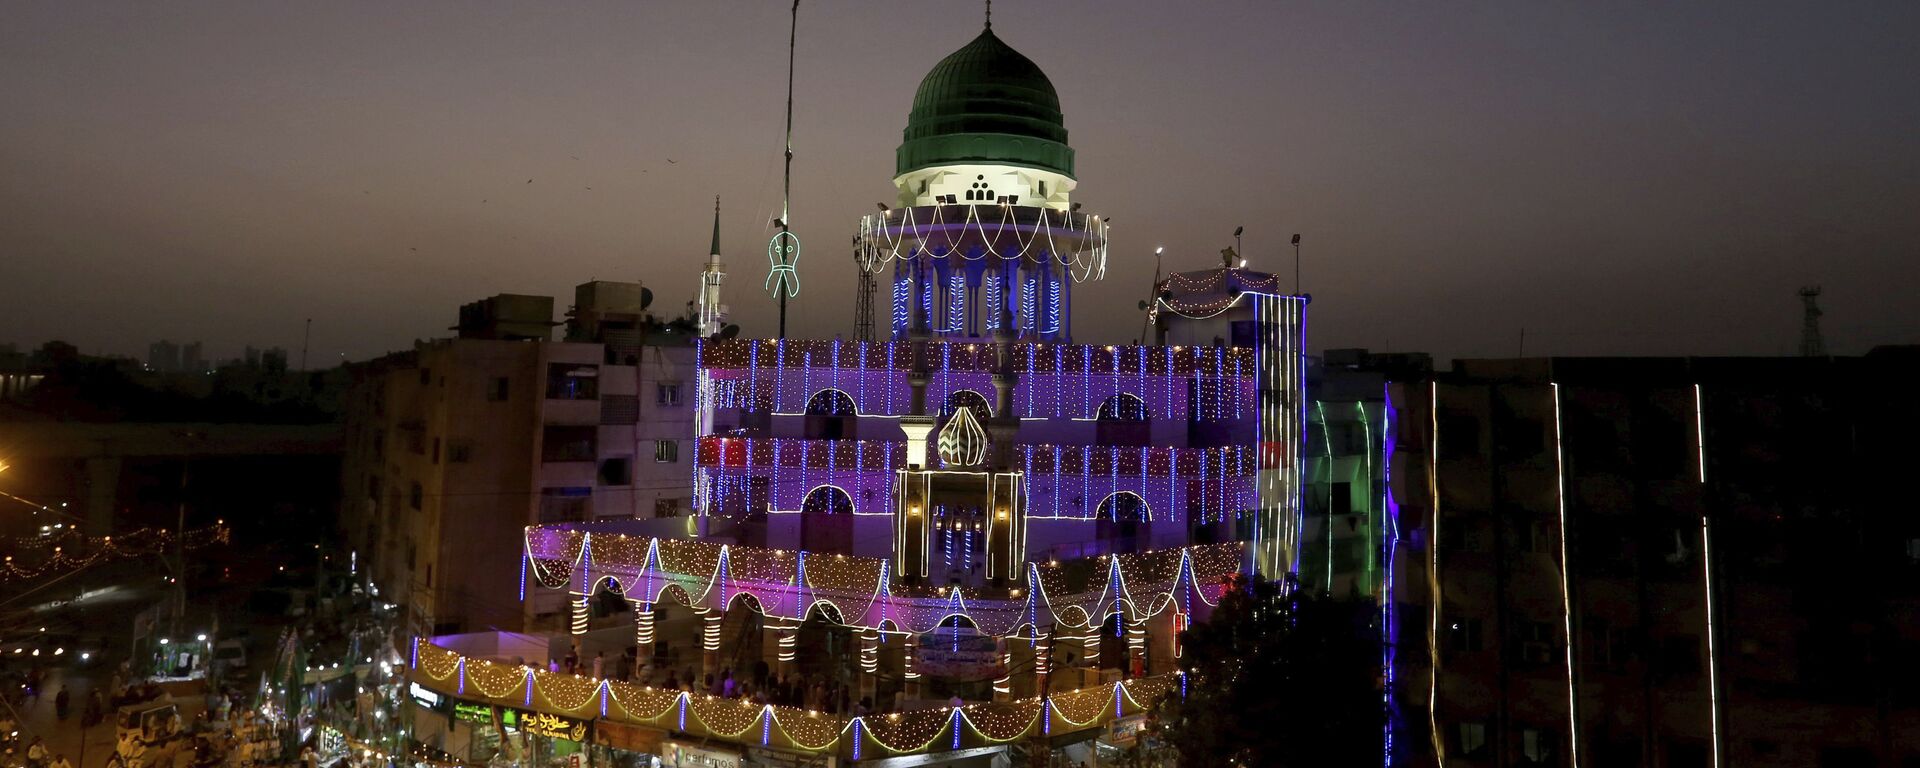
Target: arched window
(827,500)
(830,415)
(1125,507)
(830,402)
(1122,522)
(1123,407)
(971,400)
(1123,419)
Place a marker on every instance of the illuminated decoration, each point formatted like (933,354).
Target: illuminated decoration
(68,550)
(963,442)
(783,251)
(1389,618)
(1706,571)
(703,574)
(783,254)
(1566,575)
(562,702)
(1076,242)
(1433,576)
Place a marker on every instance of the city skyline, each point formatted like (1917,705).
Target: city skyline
(1641,181)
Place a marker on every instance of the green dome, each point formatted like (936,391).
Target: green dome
(985,103)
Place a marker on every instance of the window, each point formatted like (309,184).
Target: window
(1342,501)
(569,443)
(1471,739)
(426,376)
(1536,746)
(1537,642)
(666,451)
(497,389)
(436,450)
(616,471)
(666,508)
(459,451)
(416,496)
(564,505)
(667,394)
(573,381)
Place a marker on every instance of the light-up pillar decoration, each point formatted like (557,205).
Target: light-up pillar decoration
(909,648)
(1136,647)
(787,641)
(912,526)
(1006,531)
(709,640)
(579,607)
(1042,662)
(869,662)
(643,632)
(1003,685)
(1090,648)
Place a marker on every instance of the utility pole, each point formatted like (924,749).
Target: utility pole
(1296,264)
(306,337)
(784,251)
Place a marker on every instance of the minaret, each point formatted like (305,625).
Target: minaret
(713,314)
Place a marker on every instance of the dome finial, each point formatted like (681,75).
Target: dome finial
(989,14)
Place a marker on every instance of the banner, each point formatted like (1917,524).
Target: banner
(962,653)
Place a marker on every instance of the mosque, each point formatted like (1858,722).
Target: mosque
(987,534)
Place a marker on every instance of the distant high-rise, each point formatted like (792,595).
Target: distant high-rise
(163,356)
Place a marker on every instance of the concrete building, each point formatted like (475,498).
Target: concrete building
(1682,562)
(454,447)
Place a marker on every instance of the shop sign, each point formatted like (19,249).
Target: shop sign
(426,696)
(674,754)
(473,713)
(1127,730)
(969,654)
(553,726)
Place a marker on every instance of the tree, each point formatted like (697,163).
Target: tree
(1276,679)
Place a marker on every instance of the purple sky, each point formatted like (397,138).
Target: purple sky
(1616,178)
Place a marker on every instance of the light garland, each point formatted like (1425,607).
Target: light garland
(709,576)
(69,551)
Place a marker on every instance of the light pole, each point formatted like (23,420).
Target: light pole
(1296,264)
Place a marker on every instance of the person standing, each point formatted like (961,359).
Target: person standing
(62,701)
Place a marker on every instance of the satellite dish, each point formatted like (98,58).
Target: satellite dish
(728,332)
(646,297)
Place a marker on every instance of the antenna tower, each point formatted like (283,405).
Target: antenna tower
(862,298)
(1811,344)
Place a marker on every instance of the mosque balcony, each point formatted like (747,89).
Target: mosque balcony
(737,358)
(1072,241)
(730,452)
(863,592)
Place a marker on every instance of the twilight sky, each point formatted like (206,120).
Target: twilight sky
(1653,178)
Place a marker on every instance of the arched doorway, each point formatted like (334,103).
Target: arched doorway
(826,520)
(1123,523)
(1123,419)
